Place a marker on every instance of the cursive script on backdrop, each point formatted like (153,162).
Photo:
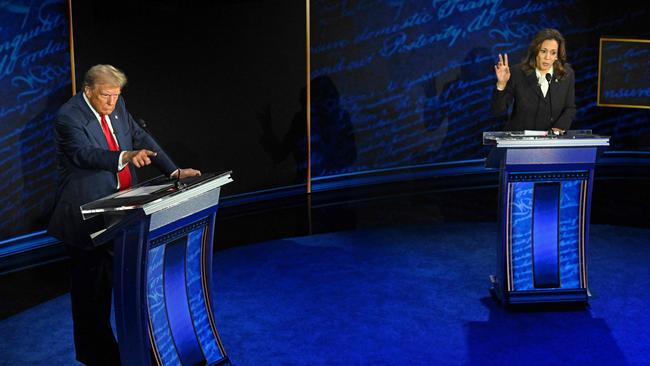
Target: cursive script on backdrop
(35,80)
(416,77)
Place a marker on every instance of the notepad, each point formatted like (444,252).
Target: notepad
(535,133)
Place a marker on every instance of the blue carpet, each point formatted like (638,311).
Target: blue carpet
(41,335)
(415,295)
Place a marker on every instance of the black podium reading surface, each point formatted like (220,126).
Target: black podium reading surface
(544,203)
(162,232)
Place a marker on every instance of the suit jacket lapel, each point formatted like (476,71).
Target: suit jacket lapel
(554,85)
(91,124)
(532,81)
(554,89)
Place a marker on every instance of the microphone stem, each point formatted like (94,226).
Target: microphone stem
(143,125)
(549,78)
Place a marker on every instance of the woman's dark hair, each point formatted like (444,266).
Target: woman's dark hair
(530,61)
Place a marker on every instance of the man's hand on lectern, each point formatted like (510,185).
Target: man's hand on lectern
(185,173)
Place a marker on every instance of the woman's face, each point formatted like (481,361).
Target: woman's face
(547,55)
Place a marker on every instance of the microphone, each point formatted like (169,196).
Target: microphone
(143,124)
(549,78)
(177,180)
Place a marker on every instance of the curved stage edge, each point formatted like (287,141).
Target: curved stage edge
(38,248)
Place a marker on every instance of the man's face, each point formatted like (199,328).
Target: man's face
(103,97)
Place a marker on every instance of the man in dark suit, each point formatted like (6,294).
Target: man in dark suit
(99,146)
(541,89)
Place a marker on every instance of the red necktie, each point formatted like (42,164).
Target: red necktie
(123,175)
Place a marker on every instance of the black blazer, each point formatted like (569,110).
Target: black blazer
(530,109)
(87,168)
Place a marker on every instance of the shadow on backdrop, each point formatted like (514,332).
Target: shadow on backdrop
(333,143)
(460,111)
(292,144)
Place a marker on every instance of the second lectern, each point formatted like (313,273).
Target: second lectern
(544,203)
(162,232)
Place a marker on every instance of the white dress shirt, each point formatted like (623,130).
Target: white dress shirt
(541,80)
(120,166)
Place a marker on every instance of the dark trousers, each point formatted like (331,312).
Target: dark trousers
(91,294)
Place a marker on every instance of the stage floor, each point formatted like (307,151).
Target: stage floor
(393,295)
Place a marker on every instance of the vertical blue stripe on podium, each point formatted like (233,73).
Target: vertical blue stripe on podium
(176,298)
(546,217)
(198,295)
(522,222)
(157,311)
(570,233)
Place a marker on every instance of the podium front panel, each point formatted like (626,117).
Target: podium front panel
(182,326)
(546,241)
(162,233)
(544,202)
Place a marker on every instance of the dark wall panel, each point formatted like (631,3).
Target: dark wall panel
(222,84)
(218,83)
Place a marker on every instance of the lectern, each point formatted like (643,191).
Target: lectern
(545,188)
(162,233)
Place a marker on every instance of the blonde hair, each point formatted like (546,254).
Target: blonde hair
(104,74)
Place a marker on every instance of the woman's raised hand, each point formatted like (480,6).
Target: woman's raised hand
(502,71)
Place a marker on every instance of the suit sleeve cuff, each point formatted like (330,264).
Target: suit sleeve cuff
(121,166)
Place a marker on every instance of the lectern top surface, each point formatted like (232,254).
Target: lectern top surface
(154,190)
(572,138)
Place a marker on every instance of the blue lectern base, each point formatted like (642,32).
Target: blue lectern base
(538,296)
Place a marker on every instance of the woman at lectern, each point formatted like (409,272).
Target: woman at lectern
(541,89)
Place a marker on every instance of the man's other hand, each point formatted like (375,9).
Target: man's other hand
(185,173)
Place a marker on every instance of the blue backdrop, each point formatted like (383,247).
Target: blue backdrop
(394,83)
(402,83)
(35,81)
